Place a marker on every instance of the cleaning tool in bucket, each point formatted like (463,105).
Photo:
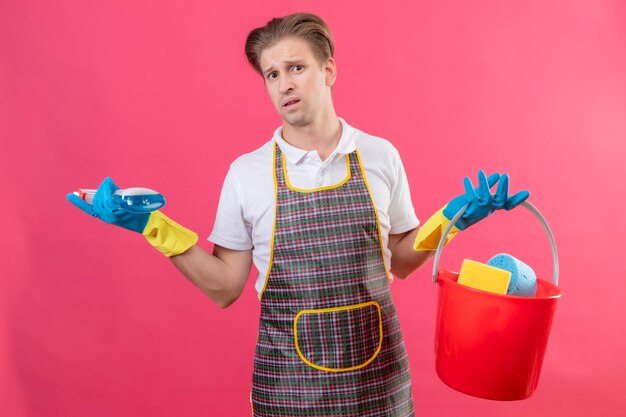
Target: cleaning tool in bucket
(523,278)
(492,345)
(484,277)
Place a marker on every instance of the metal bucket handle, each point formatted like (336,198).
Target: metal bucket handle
(532,209)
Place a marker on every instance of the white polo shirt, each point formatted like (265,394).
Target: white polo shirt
(245,214)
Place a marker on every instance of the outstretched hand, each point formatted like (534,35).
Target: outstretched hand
(105,209)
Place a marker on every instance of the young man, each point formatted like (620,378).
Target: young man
(324,212)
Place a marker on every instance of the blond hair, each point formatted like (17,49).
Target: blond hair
(306,26)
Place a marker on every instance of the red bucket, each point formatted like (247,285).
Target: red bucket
(492,345)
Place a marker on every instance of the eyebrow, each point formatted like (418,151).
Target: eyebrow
(295,61)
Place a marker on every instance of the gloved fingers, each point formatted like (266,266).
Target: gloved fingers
(106,190)
(470,191)
(97,198)
(493,178)
(484,196)
(103,202)
(516,199)
(81,204)
(113,186)
(502,192)
(104,194)
(470,197)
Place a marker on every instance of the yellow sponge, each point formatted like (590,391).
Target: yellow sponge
(484,277)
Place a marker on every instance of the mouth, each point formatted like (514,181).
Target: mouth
(291,103)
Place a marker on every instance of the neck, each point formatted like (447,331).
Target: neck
(322,134)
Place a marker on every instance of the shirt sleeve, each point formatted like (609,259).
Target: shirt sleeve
(230,229)
(402,216)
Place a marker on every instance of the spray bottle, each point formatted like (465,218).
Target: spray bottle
(133,200)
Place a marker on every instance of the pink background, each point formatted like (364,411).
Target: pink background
(95,322)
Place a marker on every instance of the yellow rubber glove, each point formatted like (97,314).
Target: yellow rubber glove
(169,237)
(429,234)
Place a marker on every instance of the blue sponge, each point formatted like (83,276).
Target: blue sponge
(523,279)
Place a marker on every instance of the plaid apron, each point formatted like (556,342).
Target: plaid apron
(329,341)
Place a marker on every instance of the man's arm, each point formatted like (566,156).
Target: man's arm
(411,249)
(221,275)
(404,259)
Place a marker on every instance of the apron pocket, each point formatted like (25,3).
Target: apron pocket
(340,338)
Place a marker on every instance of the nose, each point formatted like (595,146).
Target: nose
(285,83)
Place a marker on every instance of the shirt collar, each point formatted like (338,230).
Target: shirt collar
(294,155)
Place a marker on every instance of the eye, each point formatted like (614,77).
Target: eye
(298,66)
(270,76)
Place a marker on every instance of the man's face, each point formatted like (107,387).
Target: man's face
(298,85)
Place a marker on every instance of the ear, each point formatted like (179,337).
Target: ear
(330,69)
